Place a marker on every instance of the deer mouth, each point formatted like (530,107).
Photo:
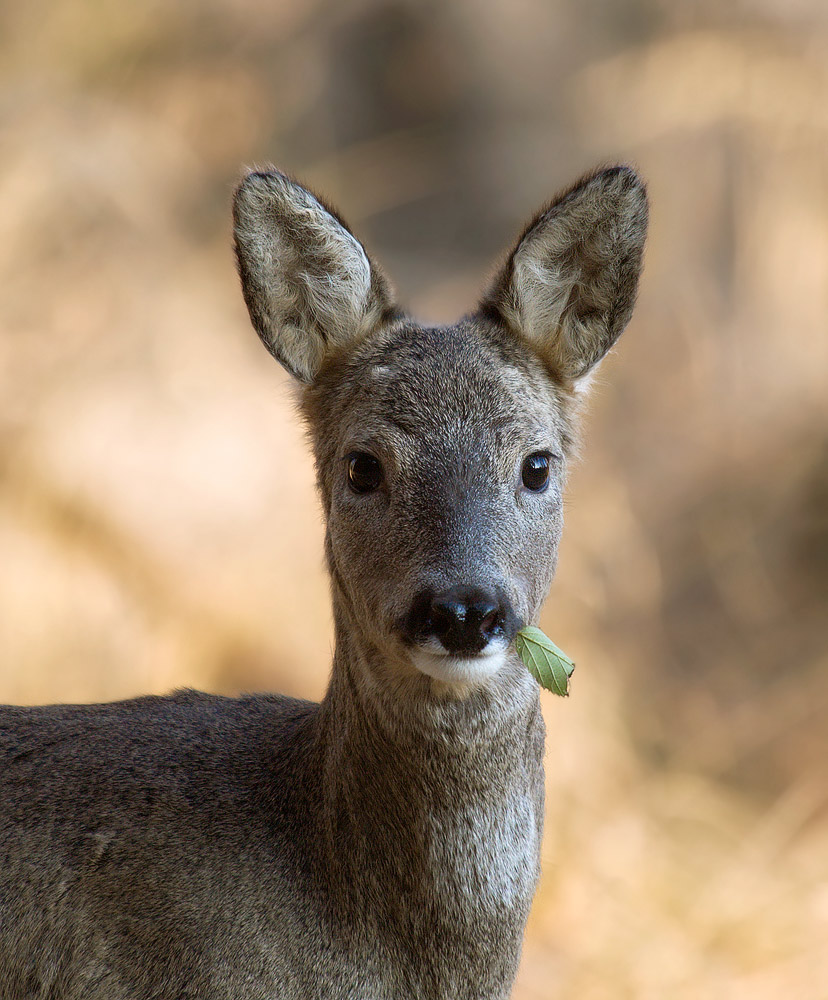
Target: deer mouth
(432,658)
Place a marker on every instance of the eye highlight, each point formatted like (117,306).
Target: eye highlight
(364,472)
(535,471)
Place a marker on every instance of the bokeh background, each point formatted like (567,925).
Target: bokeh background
(158,525)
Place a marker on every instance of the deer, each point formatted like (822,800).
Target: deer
(385,842)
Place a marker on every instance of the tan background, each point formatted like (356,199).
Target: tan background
(158,525)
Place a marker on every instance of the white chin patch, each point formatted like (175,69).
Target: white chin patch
(432,659)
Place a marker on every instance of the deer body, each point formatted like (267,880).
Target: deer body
(384,843)
(222,848)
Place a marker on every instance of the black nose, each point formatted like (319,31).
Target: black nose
(464,619)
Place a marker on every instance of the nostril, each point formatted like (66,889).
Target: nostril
(490,622)
(446,612)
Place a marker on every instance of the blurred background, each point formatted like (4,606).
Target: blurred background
(158,524)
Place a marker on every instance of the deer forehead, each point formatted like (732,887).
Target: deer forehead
(444,387)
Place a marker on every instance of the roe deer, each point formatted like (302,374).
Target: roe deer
(384,843)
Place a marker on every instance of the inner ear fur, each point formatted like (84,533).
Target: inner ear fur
(309,285)
(569,285)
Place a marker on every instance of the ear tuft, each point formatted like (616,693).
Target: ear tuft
(307,281)
(569,286)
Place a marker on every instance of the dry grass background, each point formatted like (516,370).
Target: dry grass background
(158,525)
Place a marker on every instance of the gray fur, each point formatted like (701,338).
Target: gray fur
(569,285)
(385,843)
(307,281)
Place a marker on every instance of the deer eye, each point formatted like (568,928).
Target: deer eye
(364,472)
(535,471)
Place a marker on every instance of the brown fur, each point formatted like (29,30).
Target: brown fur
(385,843)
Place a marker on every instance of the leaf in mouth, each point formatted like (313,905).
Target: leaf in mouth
(550,666)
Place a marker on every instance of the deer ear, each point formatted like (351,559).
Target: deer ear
(307,281)
(569,285)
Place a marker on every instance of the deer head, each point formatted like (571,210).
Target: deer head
(441,451)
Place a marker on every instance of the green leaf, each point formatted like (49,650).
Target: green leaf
(550,666)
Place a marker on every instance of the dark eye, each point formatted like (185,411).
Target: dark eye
(535,471)
(364,472)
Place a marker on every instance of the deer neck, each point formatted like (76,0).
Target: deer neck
(428,795)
